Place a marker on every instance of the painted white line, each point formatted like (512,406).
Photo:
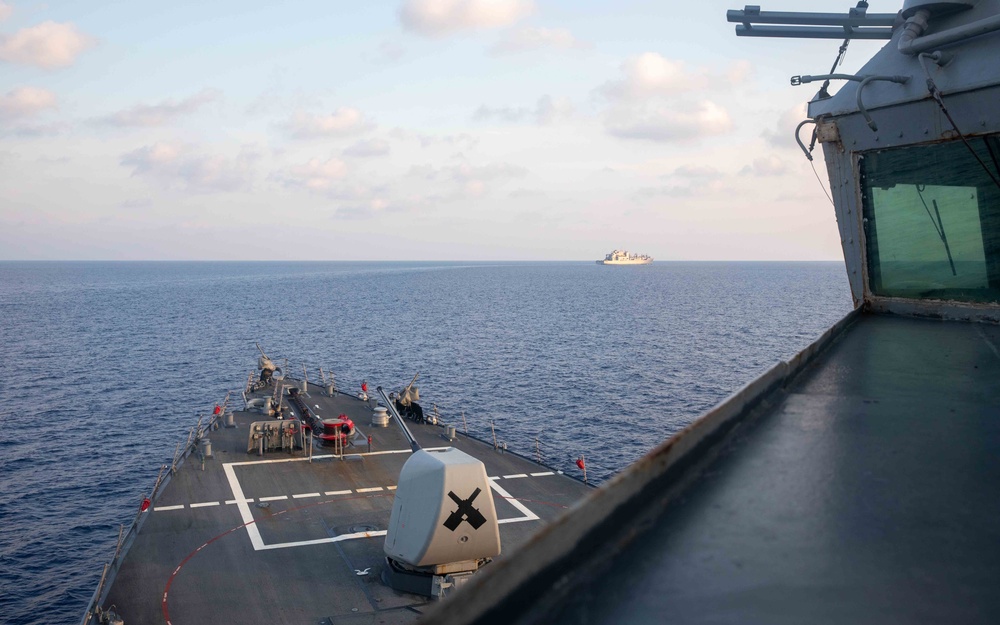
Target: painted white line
(390,488)
(230,502)
(325,457)
(275,498)
(369,490)
(515,476)
(493,477)
(542,473)
(255,540)
(205,504)
(304,495)
(321,541)
(162,508)
(519,519)
(528,514)
(338,492)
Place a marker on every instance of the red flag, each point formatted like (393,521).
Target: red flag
(579,463)
(145,504)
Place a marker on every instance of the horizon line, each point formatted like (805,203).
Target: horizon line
(410,260)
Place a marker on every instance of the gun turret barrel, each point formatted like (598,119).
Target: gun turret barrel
(417,375)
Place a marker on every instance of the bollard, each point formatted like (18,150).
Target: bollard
(230,423)
(206,448)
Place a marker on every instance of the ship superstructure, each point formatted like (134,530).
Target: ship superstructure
(624,257)
(855,483)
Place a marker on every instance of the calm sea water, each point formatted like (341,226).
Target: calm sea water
(107,365)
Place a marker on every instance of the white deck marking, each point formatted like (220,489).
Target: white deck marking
(162,508)
(328,457)
(988,342)
(321,541)
(542,473)
(528,514)
(205,504)
(241,504)
(241,501)
(515,476)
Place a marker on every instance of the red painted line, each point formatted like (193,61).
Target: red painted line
(170,580)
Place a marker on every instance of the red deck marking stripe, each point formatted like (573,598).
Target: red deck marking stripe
(170,580)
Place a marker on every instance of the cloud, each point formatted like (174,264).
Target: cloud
(41,130)
(770,165)
(367,148)
(649,193)
(316,175)
(136,203)
(462,141)
(501,113)
(26,102)
(48,45)
(546,111)
(368,209)
(151,115)
(651,74)
(5,10)
(783,133)
(703,172)
(549,109)
(493,171)
(390,51)
(344,121)
(531,38)
(470,180)
(438,18)
(740,72)
(660,99)
(473,180)
(667,123)
(177,166)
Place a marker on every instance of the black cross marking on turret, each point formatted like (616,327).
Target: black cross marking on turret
(465,512)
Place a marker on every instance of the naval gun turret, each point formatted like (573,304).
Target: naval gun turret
(267,370)
(443,526)
(406,402)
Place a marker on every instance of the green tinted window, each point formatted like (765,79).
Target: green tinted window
(932,221)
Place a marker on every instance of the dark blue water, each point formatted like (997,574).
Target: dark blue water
(107,365)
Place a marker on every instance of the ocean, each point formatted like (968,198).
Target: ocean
(107,365)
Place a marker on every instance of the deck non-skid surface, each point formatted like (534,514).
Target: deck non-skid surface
(866,493)
(279,539)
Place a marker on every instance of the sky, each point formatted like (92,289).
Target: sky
(407,130)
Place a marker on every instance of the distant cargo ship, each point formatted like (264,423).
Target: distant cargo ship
(622,257)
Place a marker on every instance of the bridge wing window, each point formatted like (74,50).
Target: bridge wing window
(932,221)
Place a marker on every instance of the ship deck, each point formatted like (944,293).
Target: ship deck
(282,538)
(863,489)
